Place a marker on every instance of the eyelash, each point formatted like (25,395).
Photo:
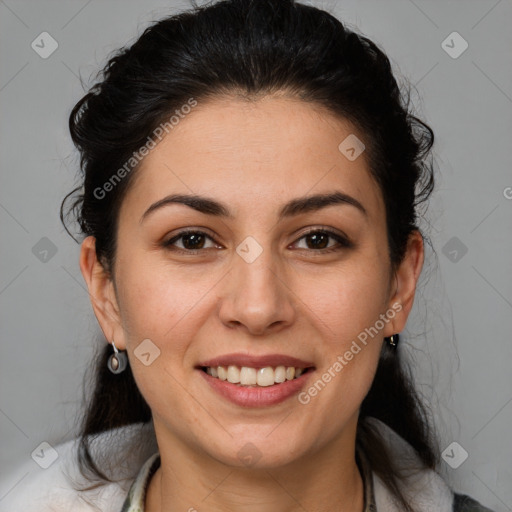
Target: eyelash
(343,242)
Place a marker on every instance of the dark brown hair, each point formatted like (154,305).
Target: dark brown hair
(251,48)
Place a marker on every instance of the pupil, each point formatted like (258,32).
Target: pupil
(316,237)
(193,238)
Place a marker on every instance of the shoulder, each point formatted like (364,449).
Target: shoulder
(463,503)
(425,488)
(31,488)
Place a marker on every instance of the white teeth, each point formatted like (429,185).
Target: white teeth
(222,373)
(266,376)
(247,376)
(233,374)
(280,374)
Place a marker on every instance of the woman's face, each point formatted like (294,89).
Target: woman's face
(251,282)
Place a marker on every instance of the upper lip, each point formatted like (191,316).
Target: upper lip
(256,361)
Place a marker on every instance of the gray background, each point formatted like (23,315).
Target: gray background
(459,334)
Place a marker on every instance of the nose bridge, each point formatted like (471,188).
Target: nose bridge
(257,296)
(256,266)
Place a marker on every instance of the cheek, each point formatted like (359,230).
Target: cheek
(166,306)
(157,307)
(347,301)
(155,300)
(347,306)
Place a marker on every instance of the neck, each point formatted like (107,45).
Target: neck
(328,480)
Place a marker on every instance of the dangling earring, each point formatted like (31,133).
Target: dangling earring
(393,340)
(117,361)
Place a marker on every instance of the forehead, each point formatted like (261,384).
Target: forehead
(260,152)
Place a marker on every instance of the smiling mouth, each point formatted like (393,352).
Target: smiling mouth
(255,377)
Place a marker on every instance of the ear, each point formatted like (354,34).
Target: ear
(102,293)
(404,286)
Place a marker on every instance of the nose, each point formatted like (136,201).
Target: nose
(257,296)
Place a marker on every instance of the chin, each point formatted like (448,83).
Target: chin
(259,452)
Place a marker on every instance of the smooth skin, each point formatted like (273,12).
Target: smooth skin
(294,299)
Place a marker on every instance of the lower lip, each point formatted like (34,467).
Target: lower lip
(257,396)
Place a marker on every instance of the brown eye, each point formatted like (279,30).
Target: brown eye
(318,241)
(191,241)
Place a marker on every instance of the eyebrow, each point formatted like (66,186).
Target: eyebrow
(294,207)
